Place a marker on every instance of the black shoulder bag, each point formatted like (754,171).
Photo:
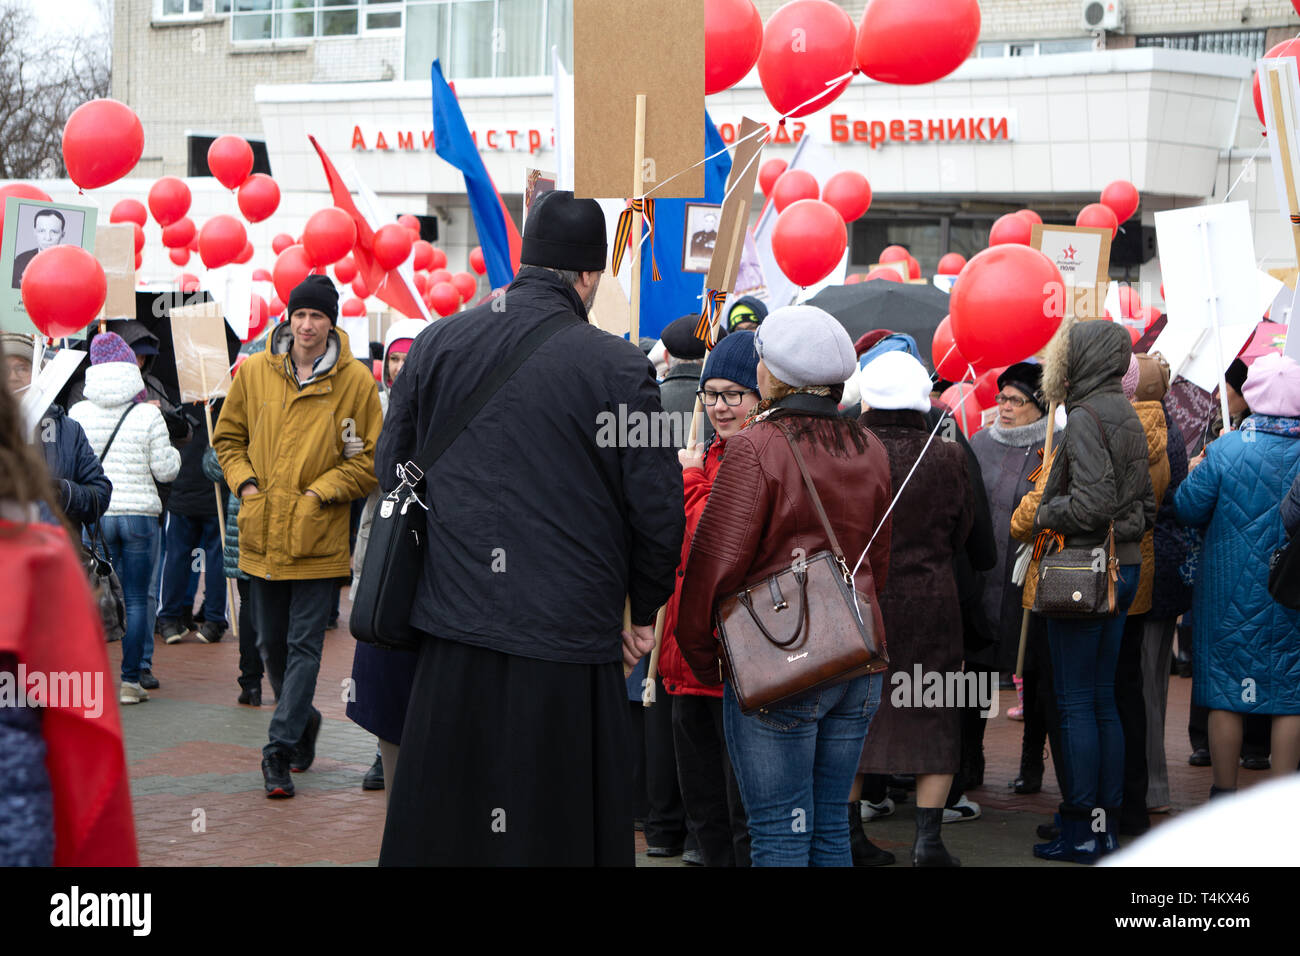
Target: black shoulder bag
(395,556)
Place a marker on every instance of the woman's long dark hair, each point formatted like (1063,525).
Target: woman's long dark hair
(832,433)
(24,479)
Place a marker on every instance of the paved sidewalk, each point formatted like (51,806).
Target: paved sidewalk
(196,782)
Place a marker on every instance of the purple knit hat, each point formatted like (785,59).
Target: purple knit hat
(111,347)
(1130,379)
(1273,386)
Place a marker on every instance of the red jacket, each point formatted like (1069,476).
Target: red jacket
(677,677)
(51,625)
(759,512)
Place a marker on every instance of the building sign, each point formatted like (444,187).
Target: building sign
(366,138)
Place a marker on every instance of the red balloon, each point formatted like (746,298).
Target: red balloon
(27,191)
(245,254)
(806,44)
(1122,198)
(139,237)
(808,241)
(179,256)
(1130,303)
(893,254)
(230,160)
(423,254)
(439,275)
(169,200)
(291,267)
(902,41)
(951,264)
(849,192)
(194,243)
(465,284)
(444,299)
(948,362)
(187,282)
(258,197)
(261,275)
(179,233)
(1285,48)
(1097,216)
(1134,333)
(986,386)
(102,142)
(124,210)
(794,185)
(1006,305)
(63,289)
(733,37)
(359,288)
(476,260)
(221,240)
(1032,217)
(1010,228)
(329,235)
(259,316)
(411,224)
(277,307)
(345,270)
(392,245)
(353,307)
(421,282)
(913,268)
(281,242)
(889,275)
(769,173)
(854,279)
(964,404)
(439,260)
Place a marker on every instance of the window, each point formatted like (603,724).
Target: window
(485,38)
(197,148)
(302,19)
(1035,47)
(177,9)
(1247,43)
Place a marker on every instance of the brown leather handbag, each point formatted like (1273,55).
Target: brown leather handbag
(799,630)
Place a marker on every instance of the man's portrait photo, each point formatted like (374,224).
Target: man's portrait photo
(701,236)
(41,228)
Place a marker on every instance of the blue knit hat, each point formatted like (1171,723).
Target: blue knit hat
(893,342)
(735,359)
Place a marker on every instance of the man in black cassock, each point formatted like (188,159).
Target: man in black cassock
(545,514)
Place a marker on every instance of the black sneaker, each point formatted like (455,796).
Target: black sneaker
(172,631)
(251,696)
(210,632)
(275,768)
(147,680)
(1200,757)
(374,778)
(305,752)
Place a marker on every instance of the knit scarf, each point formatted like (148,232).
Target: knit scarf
(1020,436)
(1272,425)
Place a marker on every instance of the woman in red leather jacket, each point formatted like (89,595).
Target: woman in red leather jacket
(794,762)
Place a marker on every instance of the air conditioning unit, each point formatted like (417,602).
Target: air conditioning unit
(1099,15)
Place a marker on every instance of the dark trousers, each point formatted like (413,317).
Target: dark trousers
(715,813)
(1131,704)
(250,658)
(185,535)
(665,819)
(1042,720)
(291,618)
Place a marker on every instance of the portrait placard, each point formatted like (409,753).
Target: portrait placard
(1082,255)
(31,226)
(700,235)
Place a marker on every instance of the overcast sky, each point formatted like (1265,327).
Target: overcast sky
(62,15)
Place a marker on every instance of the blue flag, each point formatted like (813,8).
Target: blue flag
(678,292)
(453,143)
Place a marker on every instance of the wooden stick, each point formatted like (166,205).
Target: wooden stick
(221,508)
(1024,621)
(638,192)
(1284,150)
(652,673)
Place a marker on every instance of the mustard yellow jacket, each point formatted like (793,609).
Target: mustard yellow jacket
(289,439)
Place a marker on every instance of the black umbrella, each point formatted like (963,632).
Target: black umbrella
(912,308)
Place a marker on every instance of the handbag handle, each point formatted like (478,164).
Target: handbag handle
(801,619)
(817,504)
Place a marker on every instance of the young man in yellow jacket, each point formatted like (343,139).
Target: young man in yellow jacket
(290,414)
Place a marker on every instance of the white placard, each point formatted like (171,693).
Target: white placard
(236,293)
(47,383)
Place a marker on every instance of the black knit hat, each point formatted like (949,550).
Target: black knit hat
(1026,377)
(679,338)
(1236,374)
(315,292)
(565,233)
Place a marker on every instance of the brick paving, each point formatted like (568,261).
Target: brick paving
(194,756)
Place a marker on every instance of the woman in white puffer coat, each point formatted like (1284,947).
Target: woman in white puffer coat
(129,436)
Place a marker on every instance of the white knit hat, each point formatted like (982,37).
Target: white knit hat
(895,382)
(803,346)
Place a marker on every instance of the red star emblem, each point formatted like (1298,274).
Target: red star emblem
(1068,252)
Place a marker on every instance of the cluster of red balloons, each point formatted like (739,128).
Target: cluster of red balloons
(848,191)
(1119,201)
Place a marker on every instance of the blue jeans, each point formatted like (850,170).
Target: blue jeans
(184,534)
(155,588)
(1085,654)
(795,766)
(132,543)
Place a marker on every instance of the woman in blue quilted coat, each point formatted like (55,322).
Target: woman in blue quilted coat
(1247,658)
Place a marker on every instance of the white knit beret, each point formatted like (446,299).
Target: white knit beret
(895,381)
(803,345)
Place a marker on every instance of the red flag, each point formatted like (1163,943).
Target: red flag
(389,285)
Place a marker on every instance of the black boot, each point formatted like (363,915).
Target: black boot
(1077,842)
(865,853)
(1216,792)
(928,850)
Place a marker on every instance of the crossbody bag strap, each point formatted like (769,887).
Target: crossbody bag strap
(816,498)
(442,438)
(116,428)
